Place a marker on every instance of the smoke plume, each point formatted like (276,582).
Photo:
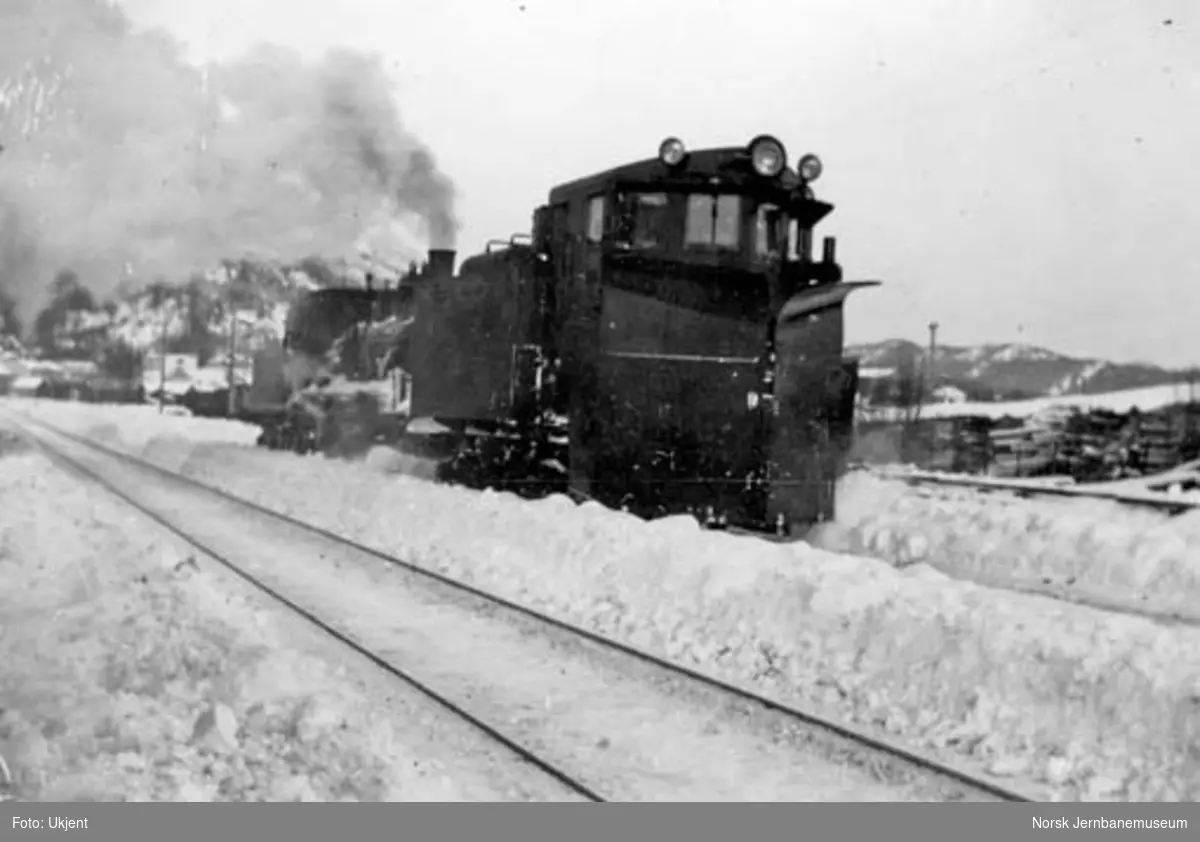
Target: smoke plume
(124,162)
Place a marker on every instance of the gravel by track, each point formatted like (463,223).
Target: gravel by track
(603,720)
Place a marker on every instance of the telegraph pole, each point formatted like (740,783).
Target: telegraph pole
(933,328)
(1189,415)
(229,279)
(162,363)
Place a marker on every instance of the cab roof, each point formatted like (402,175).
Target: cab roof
(730,164)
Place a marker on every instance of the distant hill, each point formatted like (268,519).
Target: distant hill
(1012,371)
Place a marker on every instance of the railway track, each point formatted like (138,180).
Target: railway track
(1028,488)
(741,735)
(1069,591)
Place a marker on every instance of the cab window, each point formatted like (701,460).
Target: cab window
(645,223)
(595,229)
(799,242)
(769,234)
(713,221)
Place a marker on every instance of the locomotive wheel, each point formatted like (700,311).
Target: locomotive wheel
(502,464)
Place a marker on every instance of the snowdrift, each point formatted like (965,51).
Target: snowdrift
(1095,705)
(139,424)
(1136,557)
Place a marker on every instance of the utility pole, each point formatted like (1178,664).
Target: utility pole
(229,280)
(162,362)
(1189,414)
(933,328)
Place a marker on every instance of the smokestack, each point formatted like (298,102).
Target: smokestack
(829,250)
(441,262)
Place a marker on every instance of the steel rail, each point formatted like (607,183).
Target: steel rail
(457,710)
(1021,488)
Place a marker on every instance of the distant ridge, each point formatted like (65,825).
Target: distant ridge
(1012,371)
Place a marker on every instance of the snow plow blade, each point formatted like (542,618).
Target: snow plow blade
(815,389)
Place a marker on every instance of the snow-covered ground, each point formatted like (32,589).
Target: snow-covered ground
(135,671)
(1138,558)
(1145,399)
(140,423)
(631,734)
(1097,704)
(1111,553)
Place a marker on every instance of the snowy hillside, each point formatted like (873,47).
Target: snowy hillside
(196,316)
(1145,400)
(191,322)
(1013,370)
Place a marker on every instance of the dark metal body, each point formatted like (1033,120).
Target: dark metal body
(649,371)
(689,379)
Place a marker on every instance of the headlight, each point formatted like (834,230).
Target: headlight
(809,168)
(671,151)
(768,156)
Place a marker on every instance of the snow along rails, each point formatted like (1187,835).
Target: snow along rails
(1087,546)
(605,720)
(1033,488)
(1122,493)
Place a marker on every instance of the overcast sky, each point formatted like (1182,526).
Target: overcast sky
(1010,168)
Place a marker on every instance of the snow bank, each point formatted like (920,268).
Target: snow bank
(1098,550)
(139,424)
(1096,705)
(1137,557)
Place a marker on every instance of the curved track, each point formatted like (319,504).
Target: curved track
(962,784)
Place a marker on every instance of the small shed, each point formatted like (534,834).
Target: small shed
(31,386)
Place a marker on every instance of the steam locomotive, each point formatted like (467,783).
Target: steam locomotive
(663,342)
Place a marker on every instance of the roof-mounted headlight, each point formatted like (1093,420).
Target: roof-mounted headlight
(672,152)
(767,156)
(809,168)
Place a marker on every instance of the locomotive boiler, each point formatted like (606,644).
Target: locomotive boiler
(664,341)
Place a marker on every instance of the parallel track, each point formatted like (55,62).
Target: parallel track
(914,760)
(1024,488)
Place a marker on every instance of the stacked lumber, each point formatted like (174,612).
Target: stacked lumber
(1032,449)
